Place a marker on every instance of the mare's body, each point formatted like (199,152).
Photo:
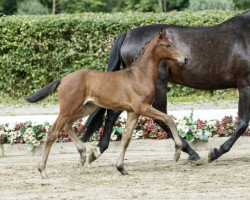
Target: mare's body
(219,58)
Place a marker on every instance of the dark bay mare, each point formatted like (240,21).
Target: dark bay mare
(133,89)
(219,58)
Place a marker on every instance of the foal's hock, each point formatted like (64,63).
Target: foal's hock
(82,91)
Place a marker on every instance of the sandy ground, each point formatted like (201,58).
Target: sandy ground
(153,174)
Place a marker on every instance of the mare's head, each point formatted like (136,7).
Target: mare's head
(167,49)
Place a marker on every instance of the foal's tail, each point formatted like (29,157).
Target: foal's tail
(44,92)
(95,120)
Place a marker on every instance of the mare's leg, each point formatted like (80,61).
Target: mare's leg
(86,110)
(105,138)
(160,103)
(93,123)
(149,111)
(130,124)
(243,115)
(52,135)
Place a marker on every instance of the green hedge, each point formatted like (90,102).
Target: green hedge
(35,50)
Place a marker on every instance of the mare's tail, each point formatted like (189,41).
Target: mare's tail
(44,92)
(95,120)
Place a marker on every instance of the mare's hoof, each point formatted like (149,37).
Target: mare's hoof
(194,157)
(211,155)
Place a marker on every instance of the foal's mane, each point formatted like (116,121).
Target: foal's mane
(141,52)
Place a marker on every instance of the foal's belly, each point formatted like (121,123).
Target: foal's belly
(109,103)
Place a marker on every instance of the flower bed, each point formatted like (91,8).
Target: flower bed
(33,135)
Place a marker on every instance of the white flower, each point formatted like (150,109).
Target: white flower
(198,133)
(183,127)
(13,135)
(28,131)
(10,127)
(2,133)
(36,143)
(114,137)
(137,134)
(208,133)
(194,129)
(211,123)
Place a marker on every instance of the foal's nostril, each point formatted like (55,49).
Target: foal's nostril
(185,61)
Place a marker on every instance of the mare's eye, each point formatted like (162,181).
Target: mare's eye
(168,45)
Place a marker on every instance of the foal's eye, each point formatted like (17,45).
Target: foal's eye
(168,45)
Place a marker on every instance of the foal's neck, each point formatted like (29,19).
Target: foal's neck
(149,63)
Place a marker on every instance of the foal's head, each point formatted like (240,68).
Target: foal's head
(167,49)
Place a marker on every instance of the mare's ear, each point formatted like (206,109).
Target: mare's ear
(162,33)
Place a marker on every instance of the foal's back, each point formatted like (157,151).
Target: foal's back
(105,89)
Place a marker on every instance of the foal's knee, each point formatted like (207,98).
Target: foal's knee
(169,121)
(51,137)
(81,149)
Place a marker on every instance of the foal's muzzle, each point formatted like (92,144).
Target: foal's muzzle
(182,62)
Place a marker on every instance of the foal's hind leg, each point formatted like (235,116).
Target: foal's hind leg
(86,110)
(130,124)
(51,138)
(149,111)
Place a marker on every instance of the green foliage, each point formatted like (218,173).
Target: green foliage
(140,5)
(151,6)
(34,50)
(176,4)
(78,6)
(8,7)
(242,4)
(31,7)
(211,4)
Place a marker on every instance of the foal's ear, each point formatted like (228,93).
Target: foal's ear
(162,33)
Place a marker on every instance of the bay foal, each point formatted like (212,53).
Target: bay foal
(82,91)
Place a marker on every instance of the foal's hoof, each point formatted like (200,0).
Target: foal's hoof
(177,155)
(42,172)
(82,161)
(211,155)
(122,170)
(92,156)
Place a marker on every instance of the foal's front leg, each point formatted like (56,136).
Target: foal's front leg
(148,111)
(132,118)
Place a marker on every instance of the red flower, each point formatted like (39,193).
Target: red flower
(101,130)
(80,127)
(145,134)
(42,129)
